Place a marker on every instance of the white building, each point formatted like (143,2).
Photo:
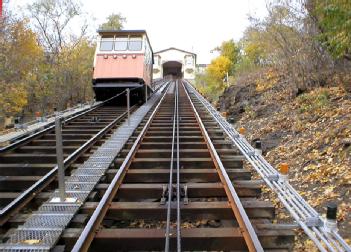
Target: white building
(174,62)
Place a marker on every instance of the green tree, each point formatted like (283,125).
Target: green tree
(113,22)
(231,51)
(253,46)
(334,20)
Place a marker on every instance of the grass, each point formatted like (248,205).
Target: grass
(313,101)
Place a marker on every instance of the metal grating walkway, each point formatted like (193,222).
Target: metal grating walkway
(43,228)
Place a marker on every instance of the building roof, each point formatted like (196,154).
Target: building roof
(101,31)
(173,48)
(202,65)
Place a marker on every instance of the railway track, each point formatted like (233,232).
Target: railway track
(168,180)
(168,191)
(28,167)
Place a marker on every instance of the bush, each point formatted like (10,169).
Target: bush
(316,100)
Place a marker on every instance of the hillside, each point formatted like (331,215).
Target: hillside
(310,130)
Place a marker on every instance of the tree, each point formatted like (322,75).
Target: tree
(114,22)
(20,54)
(333,19)
(253,46)
(231,51)
(65,75)
(52,19)
(219,68)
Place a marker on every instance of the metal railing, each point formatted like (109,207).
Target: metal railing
(322,232)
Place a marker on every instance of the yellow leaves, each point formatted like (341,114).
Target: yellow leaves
(31,242)
(327,140)
(346,178)
(211,83)
(268,80)
(329,192)
(313,143)
(13,97)
(343,210)
(219,67)
(306,245)
(310,167)
(23,50)
(330,150)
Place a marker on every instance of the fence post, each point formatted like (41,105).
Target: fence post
(59,155)
(145,93)
(128,105)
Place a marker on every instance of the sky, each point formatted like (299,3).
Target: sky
(191,25)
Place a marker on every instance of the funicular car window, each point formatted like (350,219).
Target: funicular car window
(135,44)
(121,44)
(106,44)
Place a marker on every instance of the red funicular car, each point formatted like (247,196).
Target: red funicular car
(123,59)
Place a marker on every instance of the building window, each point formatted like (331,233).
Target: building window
(189,60)
(121,44)
(106,44)
(135,44)
(156,60)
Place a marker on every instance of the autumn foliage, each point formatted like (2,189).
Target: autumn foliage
(44,64)
(291,89)
(307,41)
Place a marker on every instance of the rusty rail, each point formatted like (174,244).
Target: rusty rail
(248,231)
(92,226)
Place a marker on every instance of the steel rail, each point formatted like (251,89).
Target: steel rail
(47,223)
(47,117)
(51,126)
(179,245)
(248,231)
(170,184)
(306,216)
(20,201)
(87,236)
(15,205)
